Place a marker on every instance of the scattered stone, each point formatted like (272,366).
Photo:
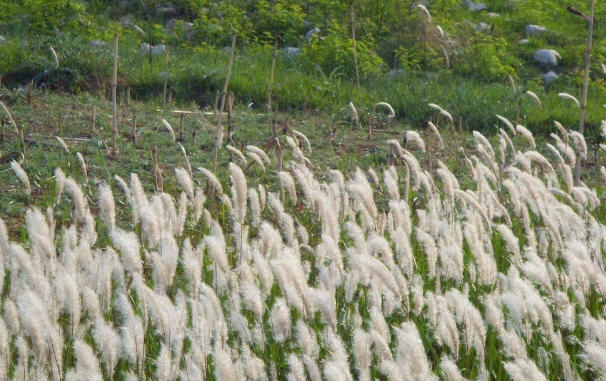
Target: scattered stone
(98,44)
(533,30)
(475,7)
(524,41)
(170,25)
(3,40)
(312,32)
(549,77)
(138,29)
(290,51)
(483,27)
(156,50)
(493,15)
(547,57)
(167,10)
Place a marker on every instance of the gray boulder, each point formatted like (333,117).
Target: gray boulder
(312,32)
(483,27)
(156,50)
(98,44)
(524,41)
(290,51)
(533,30)
(549,77)
(167,10)
(475,7)
(546,57)
(3,40)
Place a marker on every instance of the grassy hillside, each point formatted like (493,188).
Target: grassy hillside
(403,57)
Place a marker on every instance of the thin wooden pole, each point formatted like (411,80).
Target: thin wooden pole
(114,99)
(135,127)
(577,168)
(271,75)
(181,116)
(353,37)
(94,121)
(219,130)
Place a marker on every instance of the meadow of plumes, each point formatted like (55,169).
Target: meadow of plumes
(399,273)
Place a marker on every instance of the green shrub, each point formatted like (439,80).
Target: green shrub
(487,58)
(335,54)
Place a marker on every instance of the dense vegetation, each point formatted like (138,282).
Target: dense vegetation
(452,55)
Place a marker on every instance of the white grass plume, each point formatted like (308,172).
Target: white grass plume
(423,10)
(22,176)
(442,111)
(107,207)
(237,152)
(526,134)
(185,181)
(82,165)
(354,113)
(212,179)
(170,130)
(62,143)
(534,97)
(415,139)
(301,136)
(256,159)
(436,132)
(570,98)
(262,154)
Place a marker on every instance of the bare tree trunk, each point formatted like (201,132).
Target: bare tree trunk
(577,168)
(114,100)
(271,75)
(353,37)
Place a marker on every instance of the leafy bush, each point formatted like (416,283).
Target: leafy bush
(487,58)
(334,53)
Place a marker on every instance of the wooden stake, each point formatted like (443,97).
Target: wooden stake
(114,100)
(219,130)
(135,127)
(271,75)
(128,96)
(94,124)
(164,92)
(353,37)
(157,171)
(181,116)
(230,107)
(577,168)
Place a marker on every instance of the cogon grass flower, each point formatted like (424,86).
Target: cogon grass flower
(22,176)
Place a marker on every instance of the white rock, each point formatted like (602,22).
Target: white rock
(155,49)
(291,51)
(493,15)
(475,7)
(3,40)
(549,77)
(533,30)
(546,56)
(483,27)
(312,32)
(98,44)
(523,41)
